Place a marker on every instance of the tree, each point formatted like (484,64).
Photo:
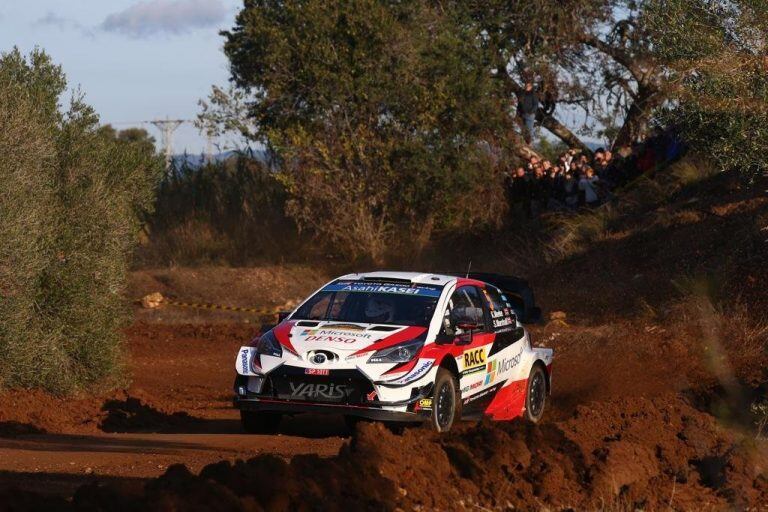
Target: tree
(71,203)
(588,54)
(382,114)
(716,61)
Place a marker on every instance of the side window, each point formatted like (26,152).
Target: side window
(502,314)
(466,298)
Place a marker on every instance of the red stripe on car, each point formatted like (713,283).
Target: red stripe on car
(283,335)
(406,334)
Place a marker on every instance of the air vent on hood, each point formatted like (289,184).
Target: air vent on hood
(305,323)
(386,328)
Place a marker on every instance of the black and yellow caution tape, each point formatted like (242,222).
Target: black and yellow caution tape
(220,307)
(155,300)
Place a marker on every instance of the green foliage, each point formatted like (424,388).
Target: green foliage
(380,114)
(72,195)
(715,52)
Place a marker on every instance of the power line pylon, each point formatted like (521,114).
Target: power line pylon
(208,148)
(167,127)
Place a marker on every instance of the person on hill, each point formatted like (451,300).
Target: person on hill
(570,191)
(528,105)
(588,184)
(521,191)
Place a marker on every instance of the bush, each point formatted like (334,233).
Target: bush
(230,211)
(70,203)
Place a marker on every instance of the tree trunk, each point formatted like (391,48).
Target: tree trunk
(636,121)
(561,132)
(520,148)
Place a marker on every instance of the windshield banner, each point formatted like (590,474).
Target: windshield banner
(373,287)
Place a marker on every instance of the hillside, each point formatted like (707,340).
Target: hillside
(660,339)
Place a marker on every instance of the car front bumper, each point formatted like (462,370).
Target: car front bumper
(295,407)
(416,408)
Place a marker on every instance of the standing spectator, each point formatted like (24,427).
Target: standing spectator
(600,163)
(521,191)
(588,185)
(570,191)
(528,104)
(539,192)
(555,186)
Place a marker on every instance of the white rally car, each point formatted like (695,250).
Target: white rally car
(398,347)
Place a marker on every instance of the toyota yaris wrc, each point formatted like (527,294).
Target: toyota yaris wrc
(396,347)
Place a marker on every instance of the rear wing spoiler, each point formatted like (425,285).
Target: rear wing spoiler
(517,290)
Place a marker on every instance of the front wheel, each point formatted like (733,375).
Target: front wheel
(445,401)
(536,396)
(260,422)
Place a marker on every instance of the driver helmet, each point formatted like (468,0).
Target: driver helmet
(378,309)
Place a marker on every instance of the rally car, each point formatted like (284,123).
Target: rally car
(398,347)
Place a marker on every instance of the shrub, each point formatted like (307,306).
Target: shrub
(231,211)
(71,199)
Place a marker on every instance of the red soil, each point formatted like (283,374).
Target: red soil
(650,408)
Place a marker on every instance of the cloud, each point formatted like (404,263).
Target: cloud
(165,16)
(51,19)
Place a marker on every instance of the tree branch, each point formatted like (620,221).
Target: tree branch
(617,54)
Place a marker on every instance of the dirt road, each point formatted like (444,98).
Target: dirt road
(177,410)
(60,463)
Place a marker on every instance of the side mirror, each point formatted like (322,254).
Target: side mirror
(468,326)
(469,329)
(282,315)
(468,319)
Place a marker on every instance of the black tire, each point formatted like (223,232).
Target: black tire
(446,402)
(536,394)
(260,422)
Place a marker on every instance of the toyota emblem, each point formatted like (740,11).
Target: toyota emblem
(319,358)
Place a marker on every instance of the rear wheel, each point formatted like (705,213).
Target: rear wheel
(536,396)
(445,401)
(260,422)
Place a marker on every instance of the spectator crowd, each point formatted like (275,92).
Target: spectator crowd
(573,181)
(578,180)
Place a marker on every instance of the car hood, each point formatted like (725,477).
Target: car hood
(345,337)
(340,336)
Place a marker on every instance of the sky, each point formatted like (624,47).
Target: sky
(135,60)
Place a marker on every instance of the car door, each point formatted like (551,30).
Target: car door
(472,347)
(506,351)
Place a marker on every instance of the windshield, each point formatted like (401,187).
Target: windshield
(373,303)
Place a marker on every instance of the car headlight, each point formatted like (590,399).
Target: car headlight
(268,345)
(397,354)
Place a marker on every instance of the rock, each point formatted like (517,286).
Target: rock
(557,315)
(152,301)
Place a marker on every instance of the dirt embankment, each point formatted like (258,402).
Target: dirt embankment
(623,454)
(663,348)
